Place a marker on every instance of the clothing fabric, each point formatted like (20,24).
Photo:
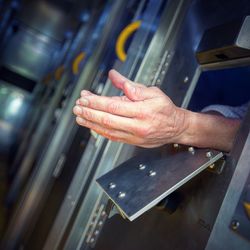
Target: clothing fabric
(229,111)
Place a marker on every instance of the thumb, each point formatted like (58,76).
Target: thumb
(139,92)
(117,79)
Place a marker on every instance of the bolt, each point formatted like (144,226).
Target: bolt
(121,195)
(191,150)
(211,166)
(142,167)
(112,185)
(235,224)
(152,173)
(186,79)
(209,154)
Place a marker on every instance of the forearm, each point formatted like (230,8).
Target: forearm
(209,131)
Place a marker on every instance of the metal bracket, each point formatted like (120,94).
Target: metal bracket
(240,222)
(141,182)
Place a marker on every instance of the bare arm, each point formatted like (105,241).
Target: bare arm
(146,117)
(210,131)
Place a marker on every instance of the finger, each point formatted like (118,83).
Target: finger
(106,120)
(117,79)
(139,92)
(86,93)
(111,105)
(121,98)
(114,135)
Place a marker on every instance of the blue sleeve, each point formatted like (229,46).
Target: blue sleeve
(229,111)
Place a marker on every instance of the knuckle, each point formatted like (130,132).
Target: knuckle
(106,121)
(87,114)
(143,131)
(138,91)
(113,107)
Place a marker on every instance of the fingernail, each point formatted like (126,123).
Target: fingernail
(84,101)
(77,110)
(80,120)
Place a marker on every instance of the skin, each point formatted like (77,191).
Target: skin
(146,117)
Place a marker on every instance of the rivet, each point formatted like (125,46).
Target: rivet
(163,72)
(142,167)
(186,79)
(152,173)
(211,166)
(235,224)
(96,232)
(92,240)
(209,154)
(100,223)
(176,145)
(103,213)
(112,185)
(191,150)
(158,81)
(121,195)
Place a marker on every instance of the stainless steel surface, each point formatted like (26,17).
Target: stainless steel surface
(139,193)
(190,226)
(14,104)
(222,235)
(38,186)
(29,53)
(241,217)
(79,229)
(35,146)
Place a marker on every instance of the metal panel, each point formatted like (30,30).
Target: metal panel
(143,181)
(38,187)
(190,226)
(78,232)
(223,235)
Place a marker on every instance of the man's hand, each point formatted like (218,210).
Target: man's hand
(144,116)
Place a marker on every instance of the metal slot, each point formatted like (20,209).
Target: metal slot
(137,190)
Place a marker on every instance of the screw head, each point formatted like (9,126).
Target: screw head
(191,150)
(152,173)
(112,185)
(209,154)
(121,195)
(142,166)
(186,79)
(211,166)
(235,224)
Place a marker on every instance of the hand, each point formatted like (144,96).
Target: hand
(144,116)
